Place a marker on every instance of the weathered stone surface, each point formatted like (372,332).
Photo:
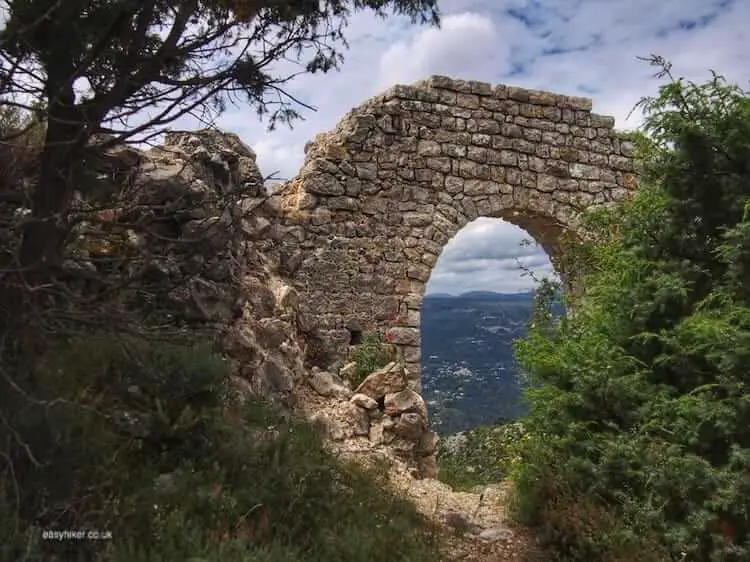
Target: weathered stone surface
(429,158)
(427,443)
(496,534)
(405,401)
(347,246)
(276,377)
(389,379)
(322,383)
(327,384)
(410,426)
(403,448)
(357,419)
(458,521)
(287,298)
(213,254)
(428,466)
(328,427)
(364,401)
(403,335)
(376,433)
(271,333)
(260,298)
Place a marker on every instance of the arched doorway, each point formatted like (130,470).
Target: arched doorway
(477,301)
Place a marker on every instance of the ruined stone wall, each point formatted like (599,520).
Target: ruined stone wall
(379,196)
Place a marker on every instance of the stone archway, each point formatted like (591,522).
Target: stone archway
(379,196)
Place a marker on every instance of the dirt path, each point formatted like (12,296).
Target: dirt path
(474,526)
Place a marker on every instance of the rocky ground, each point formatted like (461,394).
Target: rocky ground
(473,526)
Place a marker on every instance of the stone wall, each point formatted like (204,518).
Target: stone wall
(183,241)
(378,197)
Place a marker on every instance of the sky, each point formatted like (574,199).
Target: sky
(575,47)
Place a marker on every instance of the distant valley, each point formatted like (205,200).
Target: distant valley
(469,375)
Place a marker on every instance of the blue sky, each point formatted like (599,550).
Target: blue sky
(577,47)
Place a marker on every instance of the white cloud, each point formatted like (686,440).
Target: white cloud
(276,155)
(581,47)
(474,260)
(444,51)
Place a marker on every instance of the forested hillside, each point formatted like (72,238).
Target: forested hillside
(469,374)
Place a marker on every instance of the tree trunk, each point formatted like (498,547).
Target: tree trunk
(60,166)
(44,237)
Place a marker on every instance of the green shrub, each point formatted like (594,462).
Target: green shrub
(640,445)
(571,522)
(479,456)
(371,354)
(145,441)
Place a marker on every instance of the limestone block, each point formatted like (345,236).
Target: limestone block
(403,336)
(410,426)
(428,466)
(387,380)
(427,443)
(405,401)
(363,401)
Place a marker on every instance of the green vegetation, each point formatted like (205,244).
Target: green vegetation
(639,404)
(135,56)
(479,456)
(370,355)
(638,442)
(146,441)
(111,418)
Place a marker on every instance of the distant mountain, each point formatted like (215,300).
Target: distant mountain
(491,295)
(469,374)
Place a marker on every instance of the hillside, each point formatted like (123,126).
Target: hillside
(469,374)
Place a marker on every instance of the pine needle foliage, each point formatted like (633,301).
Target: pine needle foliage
(639,401)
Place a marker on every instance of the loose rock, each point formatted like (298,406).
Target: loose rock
(405,401)
(384,381)
(364,401)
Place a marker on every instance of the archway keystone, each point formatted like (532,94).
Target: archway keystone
(381,194)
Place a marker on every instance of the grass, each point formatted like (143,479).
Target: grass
(370,355)
(147,442)
(486,455)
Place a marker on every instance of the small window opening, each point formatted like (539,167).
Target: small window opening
(355,336)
